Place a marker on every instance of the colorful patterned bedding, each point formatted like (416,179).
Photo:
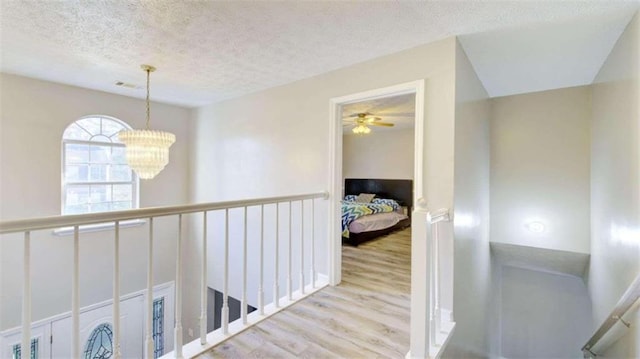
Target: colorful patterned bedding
(353,210)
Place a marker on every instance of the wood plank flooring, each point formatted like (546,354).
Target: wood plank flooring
(366,316)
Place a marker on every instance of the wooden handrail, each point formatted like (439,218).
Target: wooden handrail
(628,299)
(31,224)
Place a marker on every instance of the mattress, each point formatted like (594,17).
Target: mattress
(374,222)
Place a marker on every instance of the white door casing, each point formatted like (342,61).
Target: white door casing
(335,161)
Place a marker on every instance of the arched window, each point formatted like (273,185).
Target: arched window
(95,175)
(100,343)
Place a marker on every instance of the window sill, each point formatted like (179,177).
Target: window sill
(67,231)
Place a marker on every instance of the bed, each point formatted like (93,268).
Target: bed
(388,211)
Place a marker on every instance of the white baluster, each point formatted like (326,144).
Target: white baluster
(177,336)
(225,279)
(420,286)
(116,292)
(243,302)
(302,247)
(431,243)
(289,280)
(276,289)
(203,284)
(26,298)
(75,297)
(436,276)
(313,246)
(149,339)
(260,264)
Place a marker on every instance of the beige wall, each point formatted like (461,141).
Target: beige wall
(472,264)
(33,116)
(384,154)
(276,142)
(540,168)
(615,190)
(267,135)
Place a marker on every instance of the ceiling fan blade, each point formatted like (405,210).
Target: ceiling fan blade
(372,119)
(385,124)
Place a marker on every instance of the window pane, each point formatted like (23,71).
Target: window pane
(111,127)
(17,349)
(120,173)
(100,154)
(75,132)
(76,209)
(77,195)
(122,192)
(120,206)
(158,327)
(98,173)
(101,161)
(100,138)
(92,125)
(76,153)
(118,155)
(100,207)
(100,343)
(100,193)
(76,173)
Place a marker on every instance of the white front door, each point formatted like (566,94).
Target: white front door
(96,332)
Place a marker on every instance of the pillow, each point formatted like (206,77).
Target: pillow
(365,197)
(388,202)
(350,198)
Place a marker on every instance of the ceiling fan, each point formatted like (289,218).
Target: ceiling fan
(362,121)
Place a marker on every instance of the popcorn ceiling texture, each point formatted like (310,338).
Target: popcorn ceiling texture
(207,51)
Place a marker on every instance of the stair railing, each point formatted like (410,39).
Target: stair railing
(431,283)
(615,322)
(206,340)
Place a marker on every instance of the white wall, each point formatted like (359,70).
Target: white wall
(472,262)
(383,154)
(276,142)
(33,116)
(540,169)
(615,181)
(543,315)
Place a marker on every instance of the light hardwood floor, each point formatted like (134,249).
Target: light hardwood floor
(366,316)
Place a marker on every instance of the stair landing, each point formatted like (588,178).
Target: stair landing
(367,315)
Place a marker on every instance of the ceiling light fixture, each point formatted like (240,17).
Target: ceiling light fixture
(536,227)
(361,129)
(147,151)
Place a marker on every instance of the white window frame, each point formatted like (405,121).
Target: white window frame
(135,180)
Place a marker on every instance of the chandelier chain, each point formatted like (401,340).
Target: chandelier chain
(148,107)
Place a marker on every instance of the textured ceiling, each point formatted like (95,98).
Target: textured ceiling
(541,259)
(399,110)
(207,51)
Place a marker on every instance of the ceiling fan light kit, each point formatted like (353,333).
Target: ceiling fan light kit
(361,129)
(363,120)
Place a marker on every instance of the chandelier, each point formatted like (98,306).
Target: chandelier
(361,129)
(147,150)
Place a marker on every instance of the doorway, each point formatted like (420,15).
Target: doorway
(337,105)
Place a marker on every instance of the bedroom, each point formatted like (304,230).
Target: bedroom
(377,158)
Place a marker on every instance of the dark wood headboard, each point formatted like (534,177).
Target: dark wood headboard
(401,190)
